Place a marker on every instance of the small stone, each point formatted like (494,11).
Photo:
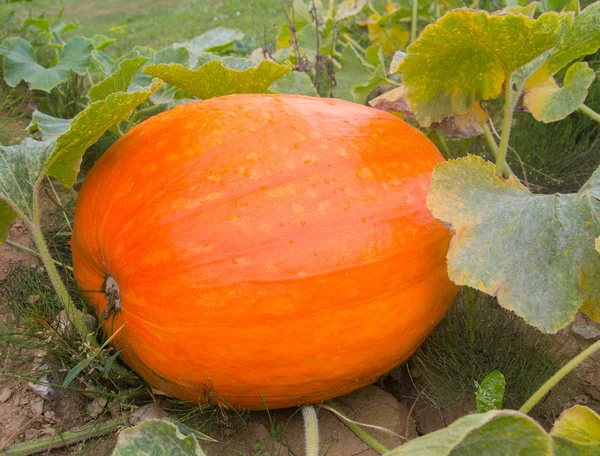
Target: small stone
(50,415)
(23,401)
(586,332)
(5,395)
(33,299)
(66,327)
(96,407)
(37,407)
(147,412)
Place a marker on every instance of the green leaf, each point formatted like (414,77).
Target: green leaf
(577,432)
(374,56)
(20,63)
(534,252)
(582,38)
(495,433)
(215,40)
(215,78)
(466,56)
(118,81)
(88,126)
(7,215)
(491,392)
(21,169)
(50,127)
(101,42)
(156,438)
(549,103)
(347,9)
(296,82)
(359,75)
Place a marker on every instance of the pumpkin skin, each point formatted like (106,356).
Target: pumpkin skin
(270,250)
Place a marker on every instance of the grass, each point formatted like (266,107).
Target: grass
(158,23)
(476,337)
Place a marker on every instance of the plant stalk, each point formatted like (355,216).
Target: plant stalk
(551,383)
(311,430)
(64,439)
(413,24)
(589,112)
(360,433)
(502,168)
(57,282)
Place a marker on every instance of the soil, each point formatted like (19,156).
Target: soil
(395,403)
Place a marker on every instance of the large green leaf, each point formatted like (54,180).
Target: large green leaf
(373,55)
(466,56)
(212,40)
(118,81)
(20,63)
(359,75)
(490,393)
(22,167)
(495,433)
(534,252)
(156,438)
(549,103)
(219,77)
(582,38)
(577,432)
(88,126)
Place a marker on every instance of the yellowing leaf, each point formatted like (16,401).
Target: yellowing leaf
(549,103)
(391,36)
(577,432)
(582,38)
(534,252)
(215,79)
(466,56)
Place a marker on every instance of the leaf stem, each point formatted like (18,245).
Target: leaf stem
(413,24)
(61,440)
(59,286)
(502,168)
(353,42)
(311,430)
(33,252)
(363,435)
(589,112)
(551,383)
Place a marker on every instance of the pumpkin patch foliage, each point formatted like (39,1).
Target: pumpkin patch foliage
(272,223)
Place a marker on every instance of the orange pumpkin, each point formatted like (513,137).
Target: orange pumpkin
(264,250)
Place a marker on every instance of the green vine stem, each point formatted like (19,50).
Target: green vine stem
(551,383)
(57,283)
(64,439)
(502,168)
(362,434)
(589,112)
(413,24)
(311,430)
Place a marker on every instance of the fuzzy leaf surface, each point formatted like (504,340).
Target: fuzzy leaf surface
(220,77)
(21,169)
(50,127)
(577,432)
(549,103)
(296,82)
(495,433)
(20,63)
(88,126)
(466,56)
(212,40)
(534,252)
(156,438)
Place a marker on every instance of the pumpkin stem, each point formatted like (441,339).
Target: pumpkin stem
(113,297)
